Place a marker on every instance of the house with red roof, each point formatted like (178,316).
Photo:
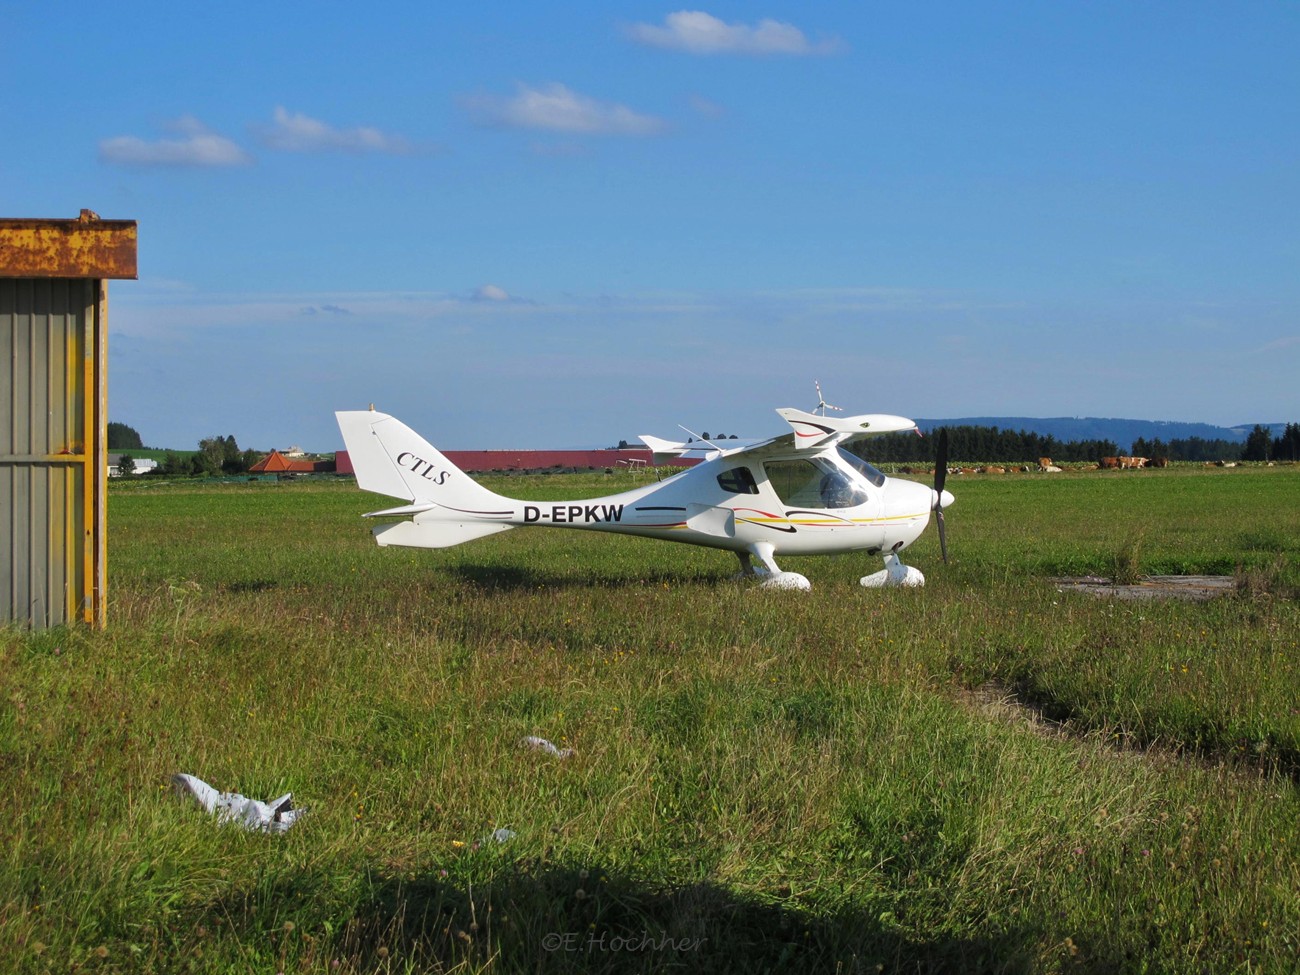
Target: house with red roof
(276,463)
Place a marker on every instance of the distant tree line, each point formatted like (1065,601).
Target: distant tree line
(1189,448)
(974,443)
(123,437)
(216,455)
(1260,445)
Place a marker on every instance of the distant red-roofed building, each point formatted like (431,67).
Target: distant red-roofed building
(276,463)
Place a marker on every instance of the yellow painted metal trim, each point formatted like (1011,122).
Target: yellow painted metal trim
(99,464)
(89,399)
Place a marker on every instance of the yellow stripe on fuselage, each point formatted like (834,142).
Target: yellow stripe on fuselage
(855,522)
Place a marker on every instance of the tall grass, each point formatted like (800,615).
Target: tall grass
(983,775)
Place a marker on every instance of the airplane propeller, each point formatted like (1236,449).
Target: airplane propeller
(940,475)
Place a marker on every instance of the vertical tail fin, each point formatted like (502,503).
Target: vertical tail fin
(391,458)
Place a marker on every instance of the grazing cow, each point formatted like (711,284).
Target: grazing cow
(1109,463)
(1044,462)
(1131,463)
(1158,462)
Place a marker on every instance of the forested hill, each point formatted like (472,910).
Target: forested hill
(1122,432)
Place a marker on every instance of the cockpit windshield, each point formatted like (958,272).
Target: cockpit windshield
(862,467)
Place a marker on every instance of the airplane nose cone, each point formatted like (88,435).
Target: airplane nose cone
(940,498)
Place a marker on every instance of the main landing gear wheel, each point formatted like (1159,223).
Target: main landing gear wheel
(769,574)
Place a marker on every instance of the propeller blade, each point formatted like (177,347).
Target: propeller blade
(941,460)
(941,475)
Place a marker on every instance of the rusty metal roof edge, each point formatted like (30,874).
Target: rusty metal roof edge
(64,221)
(85,247)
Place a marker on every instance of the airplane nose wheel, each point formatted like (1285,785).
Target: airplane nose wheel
(895,573)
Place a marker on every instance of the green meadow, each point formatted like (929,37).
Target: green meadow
(984,775)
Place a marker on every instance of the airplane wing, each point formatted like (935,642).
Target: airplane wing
(812,431)
(665,451)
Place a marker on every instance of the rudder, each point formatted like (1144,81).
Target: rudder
(391,458)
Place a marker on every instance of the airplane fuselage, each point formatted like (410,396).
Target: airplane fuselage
(732,504)
(799,494)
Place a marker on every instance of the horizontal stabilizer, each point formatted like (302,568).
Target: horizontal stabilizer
(406,509)
(435,534)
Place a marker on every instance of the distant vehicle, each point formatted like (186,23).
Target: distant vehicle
(800,493)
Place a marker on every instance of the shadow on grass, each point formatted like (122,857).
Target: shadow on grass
(1199,738)
(496,578)
(530,918)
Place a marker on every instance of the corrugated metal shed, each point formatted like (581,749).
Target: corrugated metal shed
(53,414)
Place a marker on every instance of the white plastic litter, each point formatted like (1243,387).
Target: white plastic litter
(502,835)
(275,816)
(542,745)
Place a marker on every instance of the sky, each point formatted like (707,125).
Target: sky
(566,224)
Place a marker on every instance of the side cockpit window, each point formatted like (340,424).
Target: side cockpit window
(738,480)
(813,484)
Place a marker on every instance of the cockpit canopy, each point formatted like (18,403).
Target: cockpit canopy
(816,482)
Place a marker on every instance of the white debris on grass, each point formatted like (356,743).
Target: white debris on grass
(542,745)
(275,816)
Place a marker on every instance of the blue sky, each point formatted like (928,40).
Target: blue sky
(565,224)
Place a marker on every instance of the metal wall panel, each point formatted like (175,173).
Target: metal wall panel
(52,465)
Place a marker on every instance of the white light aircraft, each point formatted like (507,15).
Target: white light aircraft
(800,493)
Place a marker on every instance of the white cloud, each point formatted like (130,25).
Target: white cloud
(491,292)
(557,108)
(296,132)
(193,144)
(697,32)
(325,310)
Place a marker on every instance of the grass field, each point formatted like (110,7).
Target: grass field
(983,775)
